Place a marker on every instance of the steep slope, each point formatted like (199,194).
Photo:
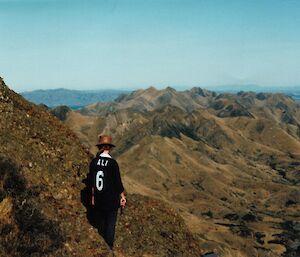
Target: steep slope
(42,164)
(49,162)
(230,164)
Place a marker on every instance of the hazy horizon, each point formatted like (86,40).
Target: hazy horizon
(135,44)
(180,88)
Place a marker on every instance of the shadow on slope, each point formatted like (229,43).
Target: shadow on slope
(27,232)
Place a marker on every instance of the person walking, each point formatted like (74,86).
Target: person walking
(107,191)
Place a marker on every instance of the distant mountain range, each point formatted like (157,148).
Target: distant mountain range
(256,88)
(76,99)
(293,91)
(72,98)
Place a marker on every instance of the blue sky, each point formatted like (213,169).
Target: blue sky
(137,43)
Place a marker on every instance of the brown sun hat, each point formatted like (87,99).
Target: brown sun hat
(105,140)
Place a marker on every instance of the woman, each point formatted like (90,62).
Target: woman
(107,190)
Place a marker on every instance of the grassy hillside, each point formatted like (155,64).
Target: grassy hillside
(42,165)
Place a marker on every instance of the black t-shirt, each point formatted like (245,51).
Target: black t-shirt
(104,177)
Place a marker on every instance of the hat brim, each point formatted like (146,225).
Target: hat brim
(106,144)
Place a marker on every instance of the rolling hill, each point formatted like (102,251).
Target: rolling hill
(229,163)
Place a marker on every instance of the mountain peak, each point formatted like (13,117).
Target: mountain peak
(168,88)
(151,88)
(200,92)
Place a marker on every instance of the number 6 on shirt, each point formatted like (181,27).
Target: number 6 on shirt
(99,180)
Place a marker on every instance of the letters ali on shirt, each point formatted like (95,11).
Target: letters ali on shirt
(100,174)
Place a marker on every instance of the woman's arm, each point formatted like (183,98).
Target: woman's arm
(119,186)
(118,181)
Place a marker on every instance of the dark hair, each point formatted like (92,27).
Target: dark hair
(103,148)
